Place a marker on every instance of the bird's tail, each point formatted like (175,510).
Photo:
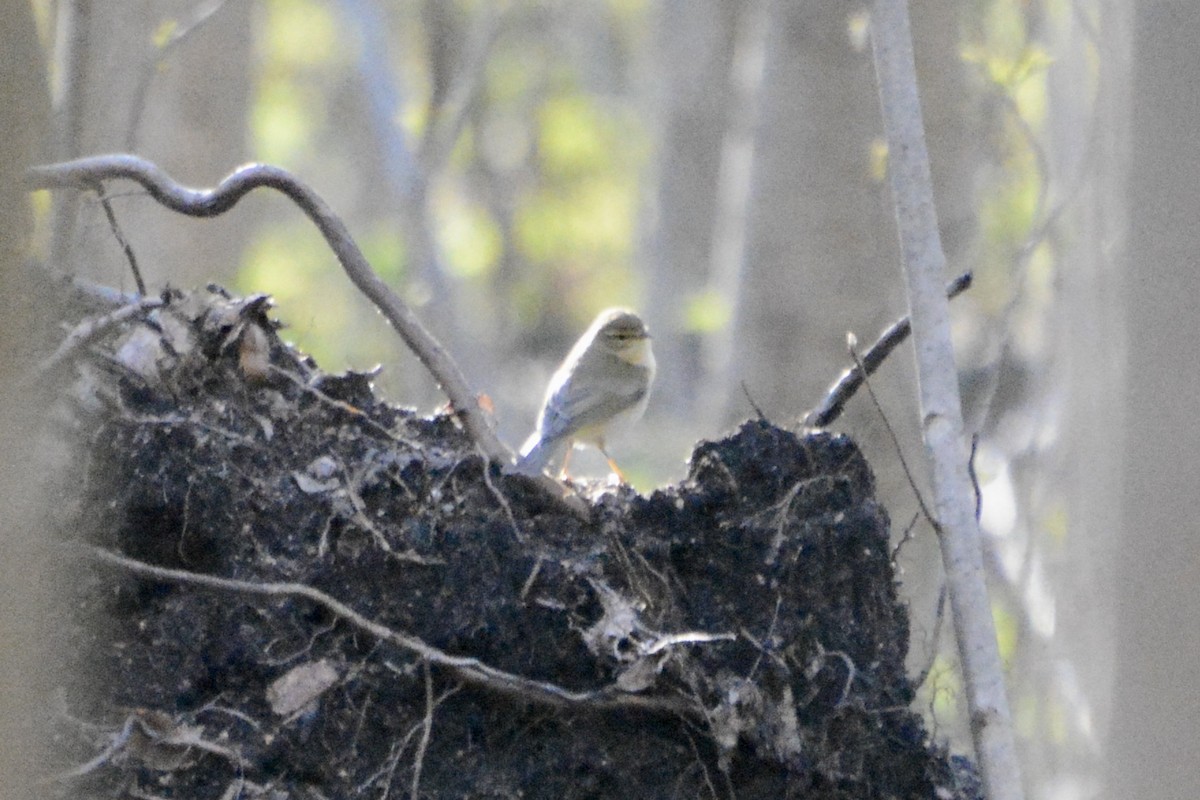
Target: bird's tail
(538,454)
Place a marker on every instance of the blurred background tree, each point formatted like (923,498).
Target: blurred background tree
(512,167)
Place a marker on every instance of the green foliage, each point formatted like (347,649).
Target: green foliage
(572,225)
(1009,71)
(283,119)
(578,222)
(383,246)
(166,30)
(581,215)
(942,690)
(1007,632)
(298,40)
(473,239)
(576,138)
(706,312)
(1055,524)
(299,34)
(1013,69)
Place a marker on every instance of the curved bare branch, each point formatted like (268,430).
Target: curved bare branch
(470,670)
(89,173)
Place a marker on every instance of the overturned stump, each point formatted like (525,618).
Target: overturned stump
(287,588)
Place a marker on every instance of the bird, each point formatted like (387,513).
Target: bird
(603,384)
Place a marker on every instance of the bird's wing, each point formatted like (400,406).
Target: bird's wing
(577,405)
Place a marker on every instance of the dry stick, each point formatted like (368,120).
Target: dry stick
(848,382)
(905,537)
(470,670)
(887,425)
(98,294)
(340,405)
(113,225)
(87,172)
(941,407)
(89,329)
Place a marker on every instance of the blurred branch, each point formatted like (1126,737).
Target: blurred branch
(407,178)
(941,407)
(1044,217)
(447,120)
(410,166)
(385,96)
(71,47)
(727,263)
(88,172)
(848,383)
(181,32)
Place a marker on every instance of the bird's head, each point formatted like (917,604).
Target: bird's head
(622,333)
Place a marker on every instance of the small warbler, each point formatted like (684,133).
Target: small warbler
(603,384)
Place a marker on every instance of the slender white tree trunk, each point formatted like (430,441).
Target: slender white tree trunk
(941,411)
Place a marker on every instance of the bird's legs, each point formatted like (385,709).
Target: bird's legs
(612,464)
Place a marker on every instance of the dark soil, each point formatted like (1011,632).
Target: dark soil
(736,635)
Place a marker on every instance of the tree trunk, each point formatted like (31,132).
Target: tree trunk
(820,246)
(696,45)
(24,590)
(1158,637)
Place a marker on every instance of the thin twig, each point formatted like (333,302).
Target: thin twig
(749,399)
(155,729)
(975,476)
(86,172)
(503,501)
(470,670)
(115,745)
(340,405)
(362,517)
(533,576)
(426,730)
(114,226)
(887,424)
(904,538)
(95,294)
(851,672)
(388,770)
(848,383)
(939,616)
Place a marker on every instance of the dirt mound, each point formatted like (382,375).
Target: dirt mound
(290,589)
